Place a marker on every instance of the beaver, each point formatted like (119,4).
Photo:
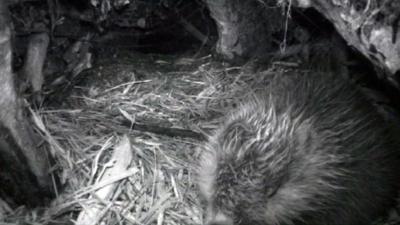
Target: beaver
(308,149)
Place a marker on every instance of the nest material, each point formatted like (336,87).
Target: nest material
(158,186)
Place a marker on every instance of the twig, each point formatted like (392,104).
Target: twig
(171,132)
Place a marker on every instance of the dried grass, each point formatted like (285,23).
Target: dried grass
(159,186)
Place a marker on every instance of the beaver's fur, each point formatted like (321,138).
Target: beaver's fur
(310,149)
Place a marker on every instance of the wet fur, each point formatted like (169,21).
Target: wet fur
(310,149)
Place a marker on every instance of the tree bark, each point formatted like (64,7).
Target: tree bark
(371,26)
(24,175)
(243,28)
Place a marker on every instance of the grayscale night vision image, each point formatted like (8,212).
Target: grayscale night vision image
(199,112)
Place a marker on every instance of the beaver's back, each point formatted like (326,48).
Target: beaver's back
(309,148)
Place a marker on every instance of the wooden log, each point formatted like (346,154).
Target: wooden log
(34,60)
(369,26)
(244,28)
(24,175)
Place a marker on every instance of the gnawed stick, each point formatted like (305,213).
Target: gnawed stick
(34,60)
(168,131)
(103,189)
